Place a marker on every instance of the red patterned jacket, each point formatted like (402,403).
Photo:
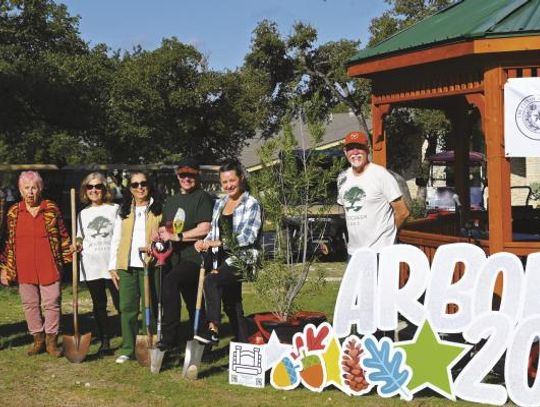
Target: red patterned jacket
(56,231)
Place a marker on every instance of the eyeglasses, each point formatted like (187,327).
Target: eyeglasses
(142,184)
(90,187)
(185,175)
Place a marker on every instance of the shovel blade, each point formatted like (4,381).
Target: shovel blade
(143,346)
(192,359)
(156,359)
(76,347)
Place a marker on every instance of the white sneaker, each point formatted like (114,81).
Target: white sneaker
(122,359)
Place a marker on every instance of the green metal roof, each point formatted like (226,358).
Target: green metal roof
(464,20)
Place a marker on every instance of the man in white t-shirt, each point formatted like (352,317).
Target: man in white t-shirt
(370,195)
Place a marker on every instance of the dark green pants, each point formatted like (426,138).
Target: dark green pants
(132,301)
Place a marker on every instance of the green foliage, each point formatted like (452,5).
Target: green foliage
(291,187)
(295,68)
(417,209)
(153,100)
(273,284)
(403,139)
(408,130)
(535,188)
(65,103)
(55,88)
(383,27)
(403,14)
(244,261)
(43,91)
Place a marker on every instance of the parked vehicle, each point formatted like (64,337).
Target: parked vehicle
(327,237)
(440,189)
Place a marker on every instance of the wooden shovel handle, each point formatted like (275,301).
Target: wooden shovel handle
(147,292)
(74,264)
(200,289)
(198,304)
(147,305)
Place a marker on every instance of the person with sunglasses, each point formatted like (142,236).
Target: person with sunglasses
(136,226)
(186,218)
(95,225)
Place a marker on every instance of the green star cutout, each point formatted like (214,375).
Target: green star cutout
(431,360)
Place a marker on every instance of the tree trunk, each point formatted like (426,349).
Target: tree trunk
(431,149)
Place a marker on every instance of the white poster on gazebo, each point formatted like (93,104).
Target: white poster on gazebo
(522,117)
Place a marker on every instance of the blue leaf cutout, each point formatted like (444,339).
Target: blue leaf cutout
(385,369)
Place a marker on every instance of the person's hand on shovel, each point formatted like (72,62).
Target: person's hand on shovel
(201,246)
(145,250)
(77,246)
(204,245)
(166,234)
(115,278)
(3,277)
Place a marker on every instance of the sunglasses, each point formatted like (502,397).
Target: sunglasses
(142,184)
(356,147)
(90,187)
(185,175)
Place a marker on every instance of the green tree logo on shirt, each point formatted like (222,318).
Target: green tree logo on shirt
(98,225)
(354,198)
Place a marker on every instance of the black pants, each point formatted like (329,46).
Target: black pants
(98,293)
(225,285)
(183,280)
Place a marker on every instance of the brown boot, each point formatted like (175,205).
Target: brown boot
(52,348)
(39,344)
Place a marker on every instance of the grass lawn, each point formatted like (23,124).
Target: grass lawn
(43,381)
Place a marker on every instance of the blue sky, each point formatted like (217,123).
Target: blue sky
(221,29)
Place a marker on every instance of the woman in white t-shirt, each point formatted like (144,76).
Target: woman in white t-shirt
(95,225)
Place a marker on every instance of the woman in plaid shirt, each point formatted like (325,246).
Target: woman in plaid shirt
(233,239)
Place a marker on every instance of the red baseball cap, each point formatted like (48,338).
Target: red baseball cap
(356,137)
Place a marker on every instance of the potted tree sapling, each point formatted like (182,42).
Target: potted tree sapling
(292,187)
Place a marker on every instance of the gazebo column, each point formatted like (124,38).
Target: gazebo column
(378,141)
(498,166)
(457,114)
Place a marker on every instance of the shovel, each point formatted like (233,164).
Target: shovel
(194,349)
(75,347)
(144,343)
(160,251)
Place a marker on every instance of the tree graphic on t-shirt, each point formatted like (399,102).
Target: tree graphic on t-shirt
(98,224)
(353,198)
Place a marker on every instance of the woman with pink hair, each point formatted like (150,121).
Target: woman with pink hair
(37,246)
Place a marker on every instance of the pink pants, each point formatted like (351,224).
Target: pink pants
(33,296)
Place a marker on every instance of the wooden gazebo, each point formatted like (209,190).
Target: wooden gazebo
(455,59)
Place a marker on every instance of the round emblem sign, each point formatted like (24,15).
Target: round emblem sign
(528,117)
